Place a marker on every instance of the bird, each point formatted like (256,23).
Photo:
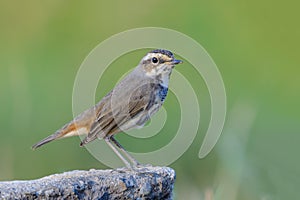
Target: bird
(130,104)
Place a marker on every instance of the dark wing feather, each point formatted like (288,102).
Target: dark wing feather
(109,121)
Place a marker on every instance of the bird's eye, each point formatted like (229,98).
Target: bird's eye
(154,60)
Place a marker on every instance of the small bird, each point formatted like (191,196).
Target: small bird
(129,105)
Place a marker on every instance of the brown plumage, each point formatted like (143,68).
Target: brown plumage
(130,104)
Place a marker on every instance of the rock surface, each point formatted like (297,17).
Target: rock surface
(122,183)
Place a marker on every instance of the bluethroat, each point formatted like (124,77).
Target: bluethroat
(129,105)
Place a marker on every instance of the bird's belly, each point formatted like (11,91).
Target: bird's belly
(133,123)
(154,108)
(140,120)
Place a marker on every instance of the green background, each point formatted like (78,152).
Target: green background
(255,44)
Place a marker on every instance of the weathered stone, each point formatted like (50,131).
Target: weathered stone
(141,183)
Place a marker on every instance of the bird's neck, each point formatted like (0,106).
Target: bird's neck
(163,79)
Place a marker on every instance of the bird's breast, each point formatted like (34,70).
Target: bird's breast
(162,92)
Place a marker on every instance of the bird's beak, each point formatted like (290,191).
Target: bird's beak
(175,62)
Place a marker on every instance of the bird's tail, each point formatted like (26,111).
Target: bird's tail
(46,140)
(68,130)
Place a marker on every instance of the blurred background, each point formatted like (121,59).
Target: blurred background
(255,44)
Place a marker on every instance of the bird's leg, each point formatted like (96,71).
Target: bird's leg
(134,162)
(108,141)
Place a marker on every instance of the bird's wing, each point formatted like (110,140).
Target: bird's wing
(111,118)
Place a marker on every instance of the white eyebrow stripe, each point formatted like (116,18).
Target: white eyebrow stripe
(159,55)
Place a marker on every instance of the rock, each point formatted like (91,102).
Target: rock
(141,183)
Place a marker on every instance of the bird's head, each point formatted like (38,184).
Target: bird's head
(159,63)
